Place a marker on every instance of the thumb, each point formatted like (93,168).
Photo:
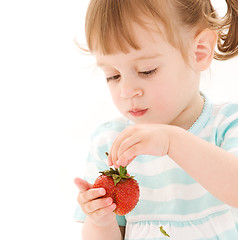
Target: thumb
(82,184)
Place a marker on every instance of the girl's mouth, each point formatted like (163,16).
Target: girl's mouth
(138,112)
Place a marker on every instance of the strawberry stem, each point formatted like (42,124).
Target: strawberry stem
(118,174)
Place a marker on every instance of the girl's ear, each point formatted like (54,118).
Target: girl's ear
(205,43)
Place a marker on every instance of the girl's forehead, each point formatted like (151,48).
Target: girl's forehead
(152,46)
(144,36)
(134,35)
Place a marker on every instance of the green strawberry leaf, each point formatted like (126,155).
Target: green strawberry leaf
(116,179)
(117,174)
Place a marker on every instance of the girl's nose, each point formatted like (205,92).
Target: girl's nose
(130,90)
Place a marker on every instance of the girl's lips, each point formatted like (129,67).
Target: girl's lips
(138,112)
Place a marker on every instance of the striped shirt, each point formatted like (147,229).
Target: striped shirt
(170,197)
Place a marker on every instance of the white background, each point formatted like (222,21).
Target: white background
(51,98)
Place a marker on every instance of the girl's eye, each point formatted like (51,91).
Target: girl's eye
(148,73)
(116,77)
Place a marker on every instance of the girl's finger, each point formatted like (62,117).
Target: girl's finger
(97,204)
(104,211)
(82,184)
(129,155)
(91,194)
(128,143)
(109,160)
(115,146)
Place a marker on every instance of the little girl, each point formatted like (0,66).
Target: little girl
(181,147)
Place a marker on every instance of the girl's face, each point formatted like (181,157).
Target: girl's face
(153,84)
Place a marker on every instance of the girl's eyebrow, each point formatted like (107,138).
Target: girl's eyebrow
(101,64)
(143,57)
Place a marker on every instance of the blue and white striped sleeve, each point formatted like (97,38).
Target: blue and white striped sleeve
(228,130)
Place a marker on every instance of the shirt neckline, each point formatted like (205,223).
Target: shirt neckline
(202,120)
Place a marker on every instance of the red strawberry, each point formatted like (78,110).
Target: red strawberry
(121,187)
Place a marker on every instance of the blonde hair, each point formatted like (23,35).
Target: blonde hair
(108,23)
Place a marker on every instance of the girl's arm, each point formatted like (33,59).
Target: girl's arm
(214,168)
(110,232)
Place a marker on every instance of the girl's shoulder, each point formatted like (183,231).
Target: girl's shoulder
(224,112)
(226,108)
(224,122)
(216,117)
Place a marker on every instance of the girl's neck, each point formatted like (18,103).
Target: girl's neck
(191,114)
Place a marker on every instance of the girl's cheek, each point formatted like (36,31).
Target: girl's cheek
(115,95)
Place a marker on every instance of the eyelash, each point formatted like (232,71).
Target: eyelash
(149,73)
(143,74)
(113,78)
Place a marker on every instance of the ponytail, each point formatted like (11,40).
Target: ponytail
(228,33)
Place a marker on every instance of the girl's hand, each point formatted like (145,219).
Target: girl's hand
(98,209)
(150,139)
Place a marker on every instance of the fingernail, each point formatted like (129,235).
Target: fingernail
(123,164)
(113,206)
(102,191)
(76,180)
(118,163)
(109,161)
